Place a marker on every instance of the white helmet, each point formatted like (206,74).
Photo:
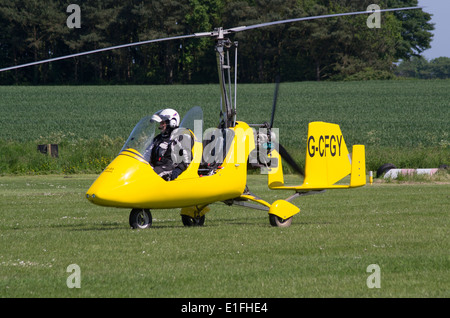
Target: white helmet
(170,115)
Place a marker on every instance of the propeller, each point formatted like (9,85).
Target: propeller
(281,150)
(275,96)
(216,33)
(291,162)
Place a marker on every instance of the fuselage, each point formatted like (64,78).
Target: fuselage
(129,181)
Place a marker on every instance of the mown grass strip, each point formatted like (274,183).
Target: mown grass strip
(47,224)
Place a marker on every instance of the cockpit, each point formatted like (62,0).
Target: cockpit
(215,142)
(143,134)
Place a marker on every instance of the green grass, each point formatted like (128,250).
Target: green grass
(403,122)
(46,224)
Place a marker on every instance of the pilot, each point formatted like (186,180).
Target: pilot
(169,155)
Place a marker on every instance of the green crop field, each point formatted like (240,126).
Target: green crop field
(403,122)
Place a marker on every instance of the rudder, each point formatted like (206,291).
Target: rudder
(327,157)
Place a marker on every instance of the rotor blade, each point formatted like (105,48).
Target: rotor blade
(260,25)
(216,33)
(286,156)
(102,50)
(275,96)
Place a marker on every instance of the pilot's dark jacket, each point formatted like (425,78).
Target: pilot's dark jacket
(169,154)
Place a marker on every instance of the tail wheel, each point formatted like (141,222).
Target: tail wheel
(140,218)
(279,222)
(190,221)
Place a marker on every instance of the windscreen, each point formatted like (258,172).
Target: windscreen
(142,136)
(193,120)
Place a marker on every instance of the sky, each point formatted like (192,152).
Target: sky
(440,10)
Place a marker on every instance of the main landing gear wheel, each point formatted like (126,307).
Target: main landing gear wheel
(279,222)
(190,221)
(140,218)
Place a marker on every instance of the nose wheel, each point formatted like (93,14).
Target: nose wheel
(140,218)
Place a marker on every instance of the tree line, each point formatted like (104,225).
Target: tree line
(334,48)
(421,68)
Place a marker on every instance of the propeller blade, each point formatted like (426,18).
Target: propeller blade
(281,150)
(275,96)
(287,157)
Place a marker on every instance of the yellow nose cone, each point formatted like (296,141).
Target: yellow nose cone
(126,182)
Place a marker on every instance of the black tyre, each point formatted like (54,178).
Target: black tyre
(190,221)
(384,169)
(279,222)
(140,218)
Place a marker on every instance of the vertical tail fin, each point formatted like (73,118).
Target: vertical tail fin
(327,161)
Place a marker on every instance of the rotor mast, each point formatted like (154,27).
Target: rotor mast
(227,102)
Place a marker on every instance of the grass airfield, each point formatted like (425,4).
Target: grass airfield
(47,224)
